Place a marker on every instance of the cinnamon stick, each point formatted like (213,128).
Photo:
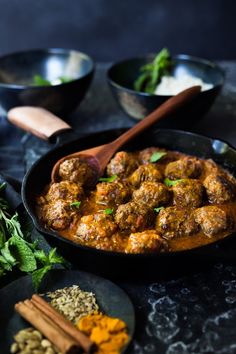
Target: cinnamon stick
(63,323)
(65,343)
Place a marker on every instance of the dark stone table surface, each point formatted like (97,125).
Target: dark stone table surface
(194,313)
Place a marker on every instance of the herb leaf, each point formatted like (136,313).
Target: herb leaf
(3,186)
(40,81)
(4,265)
(2,236)
(140,81)
(54,258)
(38,275)
(151,73)
(108,211)
(75,204)
(157,156)
(64,79)
(108,179)
(41,256)
(17,251)
(23,254)
(169,183)
(157,210)
(7,254)
(47,261)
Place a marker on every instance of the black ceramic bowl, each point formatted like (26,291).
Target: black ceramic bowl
(121,77)
(17,73)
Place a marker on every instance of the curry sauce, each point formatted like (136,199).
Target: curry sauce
(152,200)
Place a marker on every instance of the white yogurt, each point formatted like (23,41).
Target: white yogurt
(170,85)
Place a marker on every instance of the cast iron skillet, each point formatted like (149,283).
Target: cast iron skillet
(105,262)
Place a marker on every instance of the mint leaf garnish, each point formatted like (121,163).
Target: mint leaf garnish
(157,156)
(108,211)
(108,179)
(169,183)
(75,204)
(157,210)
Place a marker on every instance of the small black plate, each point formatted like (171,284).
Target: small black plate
(112,300)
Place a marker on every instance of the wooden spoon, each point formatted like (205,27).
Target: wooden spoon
(99,156)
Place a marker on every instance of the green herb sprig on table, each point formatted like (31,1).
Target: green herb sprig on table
(47,261)
(16,250)
(151,73)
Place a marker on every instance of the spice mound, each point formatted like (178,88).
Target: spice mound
(109,334)
(73,303)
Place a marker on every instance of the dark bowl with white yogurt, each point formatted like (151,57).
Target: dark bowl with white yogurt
(19,88)
(122,75)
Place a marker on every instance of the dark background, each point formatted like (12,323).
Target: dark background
(109,30)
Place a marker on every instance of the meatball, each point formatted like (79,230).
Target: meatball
(133,217)
(188,192)
(77,170)
(213,220)
(174,222)
(219,188)
(146,242)
(209,167)
(147,172)
(187,167)
(64,190)
(152,194)
(57,215)
(122,164)
(93,227)
(112,193)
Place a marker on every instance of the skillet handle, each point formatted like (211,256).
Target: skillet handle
(37,121)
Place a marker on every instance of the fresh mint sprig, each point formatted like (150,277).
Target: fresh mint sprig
(46,262)
(16,250)
(151,73)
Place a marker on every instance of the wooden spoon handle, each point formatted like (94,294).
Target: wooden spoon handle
(37,121)
(167,108)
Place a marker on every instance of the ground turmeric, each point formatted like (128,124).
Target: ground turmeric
(109,334)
